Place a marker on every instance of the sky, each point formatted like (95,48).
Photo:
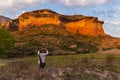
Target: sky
(106,10)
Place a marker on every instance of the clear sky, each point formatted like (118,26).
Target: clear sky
(106,10)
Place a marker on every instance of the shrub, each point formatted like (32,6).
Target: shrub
(110,59)
(86,47)
(6,42)
(105,49)
(118,47)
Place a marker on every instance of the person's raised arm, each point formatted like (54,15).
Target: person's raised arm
(46,52)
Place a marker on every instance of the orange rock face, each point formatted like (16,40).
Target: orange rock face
(87,26)
(76,24)
(100,29)
(37,19)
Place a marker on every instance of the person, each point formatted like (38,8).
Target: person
(41,57)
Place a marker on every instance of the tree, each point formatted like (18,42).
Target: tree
(6,42)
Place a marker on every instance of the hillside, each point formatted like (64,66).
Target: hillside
(2,19)
(4,22)
(59,41)
(61,34)
(55,38)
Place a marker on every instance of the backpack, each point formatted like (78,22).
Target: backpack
(42,65)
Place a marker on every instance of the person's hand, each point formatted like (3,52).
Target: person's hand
(45,49)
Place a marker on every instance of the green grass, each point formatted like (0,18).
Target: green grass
(62,60)
(7,61)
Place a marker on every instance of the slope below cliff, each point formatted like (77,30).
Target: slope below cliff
(59,41)
(56,39)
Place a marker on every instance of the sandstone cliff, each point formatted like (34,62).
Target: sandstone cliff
(76,24)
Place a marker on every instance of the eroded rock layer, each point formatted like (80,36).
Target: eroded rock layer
(76,24)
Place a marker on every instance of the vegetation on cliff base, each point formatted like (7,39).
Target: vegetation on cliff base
(55,38)
(58,41)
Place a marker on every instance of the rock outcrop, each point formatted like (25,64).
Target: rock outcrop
(76,24)
(2,19)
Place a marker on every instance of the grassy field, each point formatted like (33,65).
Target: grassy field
(63,67)
(62,60)
(57,59)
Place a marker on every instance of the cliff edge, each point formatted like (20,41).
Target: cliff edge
(76,24)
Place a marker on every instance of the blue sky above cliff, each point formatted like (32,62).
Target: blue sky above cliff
(105,10)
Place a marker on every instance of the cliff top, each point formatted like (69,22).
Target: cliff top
(45,12)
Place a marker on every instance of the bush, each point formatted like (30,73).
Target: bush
(110,60)
(86,47)
(6,42)
(105,49)
(118,47)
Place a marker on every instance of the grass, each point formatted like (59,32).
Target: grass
(7,61)
(65,67)
(62,60)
